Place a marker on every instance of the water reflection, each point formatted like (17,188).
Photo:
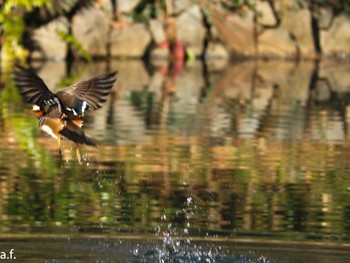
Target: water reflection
(259,149)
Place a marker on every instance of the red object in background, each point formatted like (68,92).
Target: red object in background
(178,51)
(163,44)
(177,57)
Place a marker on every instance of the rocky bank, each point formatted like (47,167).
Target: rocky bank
(206,30)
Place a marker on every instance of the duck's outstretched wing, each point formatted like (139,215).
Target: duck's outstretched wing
(33,88)
(94,91)
(77,135)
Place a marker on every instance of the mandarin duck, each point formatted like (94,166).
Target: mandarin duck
(72,100)
(66,107)
(58,127)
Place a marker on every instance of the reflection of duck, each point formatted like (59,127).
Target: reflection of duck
(71,101)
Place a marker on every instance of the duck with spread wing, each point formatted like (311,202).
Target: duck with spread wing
(60,114)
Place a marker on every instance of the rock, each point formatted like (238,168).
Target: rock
(49,43)
(297,22)
(157,31)
(127,5)
(216,50)
(106,6)
(337,38)
(337,76)
(216,56)
(190,29)
(90,27)
(325,17)
(238,33)
(276,43)
(265,14)
(180,5)
(132,41)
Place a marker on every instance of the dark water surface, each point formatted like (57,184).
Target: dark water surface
(249,163)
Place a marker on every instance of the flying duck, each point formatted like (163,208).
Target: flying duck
(58,127)
(72,100)
(60,114)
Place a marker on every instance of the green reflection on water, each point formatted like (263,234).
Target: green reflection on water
(233,165)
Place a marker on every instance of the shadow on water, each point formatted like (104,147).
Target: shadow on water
(256,151)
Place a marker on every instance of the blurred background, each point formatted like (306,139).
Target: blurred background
(228,123)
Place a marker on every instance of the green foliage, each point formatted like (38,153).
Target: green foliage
(27,4)
(11,19)
(144,15)
(12,27)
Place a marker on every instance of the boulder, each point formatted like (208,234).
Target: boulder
(337,38)
(265,14)
(157,31)
(180,5)
(325,17)
(238,33)
(337,75)
(127,5)
(132,41)
(276,43)
(297,22)
(216,56)
(90,27)
(216,50)
(190,29)
(50,46)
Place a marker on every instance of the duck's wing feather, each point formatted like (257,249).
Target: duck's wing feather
(94,91)
(77,135)
(32,87)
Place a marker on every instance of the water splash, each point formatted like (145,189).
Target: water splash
(177,246)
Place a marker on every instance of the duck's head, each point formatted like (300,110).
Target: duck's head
(37,111)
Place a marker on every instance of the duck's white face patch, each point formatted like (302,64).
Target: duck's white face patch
(36,108)
(83,107)
(48,130)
